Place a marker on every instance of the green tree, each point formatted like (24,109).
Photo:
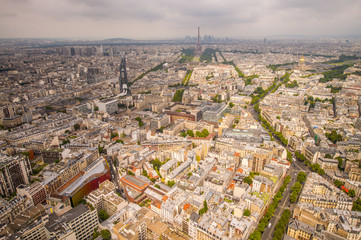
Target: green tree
(156,163)
(204,209)
(103,215)
(105,234)
(144,173)
(252,174)
(205,133)
(262,226)
(113,135)
(301,177)
(296,187)
(256,235)
(289,156)
(76,127)
(231,104)
(246,212)
(334,137)
(248,180)
(178,95)
(140,122)
(281,225)
(340,163)
(170,183)
(101,149)
(300,156)
(315,167)
(356,206)
(190,133)
(351,193)
(95,234)
(321,171)
(338,183)
(183,134)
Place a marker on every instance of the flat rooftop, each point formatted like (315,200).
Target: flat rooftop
(135,182)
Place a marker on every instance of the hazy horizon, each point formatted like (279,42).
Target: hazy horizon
(162,19)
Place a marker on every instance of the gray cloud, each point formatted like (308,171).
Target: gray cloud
(167,18)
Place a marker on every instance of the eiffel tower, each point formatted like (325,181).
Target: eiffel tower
(123,78)
(198,50)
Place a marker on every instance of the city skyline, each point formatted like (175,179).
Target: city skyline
(168,20)
(180,139)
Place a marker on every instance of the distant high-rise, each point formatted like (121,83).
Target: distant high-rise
(91,75)
(198,50)
(123,78)
(100,50)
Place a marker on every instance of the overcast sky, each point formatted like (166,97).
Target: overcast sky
(162,19)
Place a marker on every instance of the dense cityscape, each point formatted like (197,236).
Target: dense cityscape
(195,138)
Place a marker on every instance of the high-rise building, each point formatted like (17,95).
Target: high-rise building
(123,78)
(91,76)
(14,171)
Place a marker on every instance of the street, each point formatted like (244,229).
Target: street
(115,176)
(284,203)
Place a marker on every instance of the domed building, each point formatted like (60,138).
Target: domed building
(302,64)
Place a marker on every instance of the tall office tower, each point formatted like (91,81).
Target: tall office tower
(198,50)
(123,78)
(91,76)
(100,50)
(14,171)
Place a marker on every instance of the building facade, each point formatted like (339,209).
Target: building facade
(14,171)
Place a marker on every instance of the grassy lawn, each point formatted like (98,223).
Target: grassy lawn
(342,63)
(273,179)
(196,59)
(263,196)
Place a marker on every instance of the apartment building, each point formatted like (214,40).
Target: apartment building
(36,192)
(14,171)
(105,198)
